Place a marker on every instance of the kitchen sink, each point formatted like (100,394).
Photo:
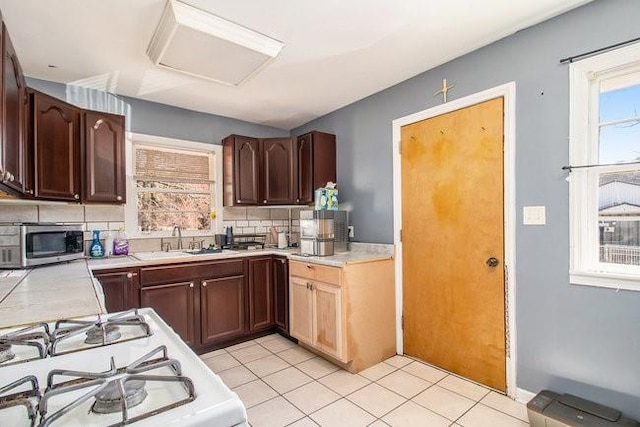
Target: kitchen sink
(177,253)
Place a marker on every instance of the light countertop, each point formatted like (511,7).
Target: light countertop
(68,290)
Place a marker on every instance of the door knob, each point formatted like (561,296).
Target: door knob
(493,262)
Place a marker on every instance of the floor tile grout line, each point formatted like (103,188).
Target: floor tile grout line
(367,411)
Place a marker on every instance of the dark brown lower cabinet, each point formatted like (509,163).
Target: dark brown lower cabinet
(222,311)
(174,302)
(120,289)
(209,304)
(281,293)
(260,293)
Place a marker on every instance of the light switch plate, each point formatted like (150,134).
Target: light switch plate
(351,231)
(534,215)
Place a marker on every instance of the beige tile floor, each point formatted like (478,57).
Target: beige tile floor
(282,384)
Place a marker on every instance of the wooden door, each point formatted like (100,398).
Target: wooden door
(57,148)
(120,289)
(452,229)
(247,170)
(222,312)
(13,123)
(301,310)
(174,302)
(261,304)
(327,322)
(104,173)
(277,171)
(281,293)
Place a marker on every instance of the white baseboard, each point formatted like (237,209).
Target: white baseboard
(524,396)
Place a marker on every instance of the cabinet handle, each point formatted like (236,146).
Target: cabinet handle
(76,196)
(204,284)
(264,201)
(29,191)
(310,286)
(238,201)
(283,261)
(129,275)
(118,198)
(191,285)
(297,200)
(309,266)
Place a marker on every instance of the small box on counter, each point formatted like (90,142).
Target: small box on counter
(326,198)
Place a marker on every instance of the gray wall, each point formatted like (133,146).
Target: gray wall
(574,339)
(151,118)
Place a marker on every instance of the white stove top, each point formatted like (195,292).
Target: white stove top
(214,403)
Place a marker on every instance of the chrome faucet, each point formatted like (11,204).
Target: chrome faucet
(173,233)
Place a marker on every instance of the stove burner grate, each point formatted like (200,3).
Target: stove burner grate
(24,344)
(96,332)
(116,390)
(29,398)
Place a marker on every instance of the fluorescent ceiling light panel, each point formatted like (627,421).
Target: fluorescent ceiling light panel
(195,42)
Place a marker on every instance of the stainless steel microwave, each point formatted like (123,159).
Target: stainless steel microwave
(28,245)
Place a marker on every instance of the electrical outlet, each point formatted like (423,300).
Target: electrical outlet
(351,232)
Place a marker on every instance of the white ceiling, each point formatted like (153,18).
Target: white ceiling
(336,51)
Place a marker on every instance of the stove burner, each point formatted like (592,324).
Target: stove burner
(5,353)
(109,400)
(103,334)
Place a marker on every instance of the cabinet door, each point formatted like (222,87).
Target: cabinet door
(260,293)
(104,173)
(222,309)
(246,171)
(174,302)
(304,156)
(13,123)
(327,322)
(278,171)
(57,148)
(301,310)
(120,290)
(281,293)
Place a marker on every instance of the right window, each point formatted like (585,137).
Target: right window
(605,174)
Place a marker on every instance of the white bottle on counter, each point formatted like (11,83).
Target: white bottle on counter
(108,244)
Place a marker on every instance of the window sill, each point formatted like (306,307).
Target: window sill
(617,281)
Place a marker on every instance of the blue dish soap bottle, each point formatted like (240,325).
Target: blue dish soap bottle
(96,249)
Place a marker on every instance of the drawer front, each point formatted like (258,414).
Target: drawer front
(182,272)
(320,273)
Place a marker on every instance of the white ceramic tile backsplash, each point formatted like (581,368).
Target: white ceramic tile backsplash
(103,218)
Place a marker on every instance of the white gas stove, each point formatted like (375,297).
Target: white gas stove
(123,368)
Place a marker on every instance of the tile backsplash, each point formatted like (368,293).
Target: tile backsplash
(93,217)
(103,218)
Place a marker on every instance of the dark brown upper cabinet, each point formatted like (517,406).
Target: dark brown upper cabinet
(78,155)
(13,146)
(278,171)
(56,139)
(316,159)
(104,163)
(241,176)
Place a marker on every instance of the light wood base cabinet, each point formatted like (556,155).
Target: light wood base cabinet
(346,314)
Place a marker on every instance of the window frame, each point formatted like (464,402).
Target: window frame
(585,266)
(131,210)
